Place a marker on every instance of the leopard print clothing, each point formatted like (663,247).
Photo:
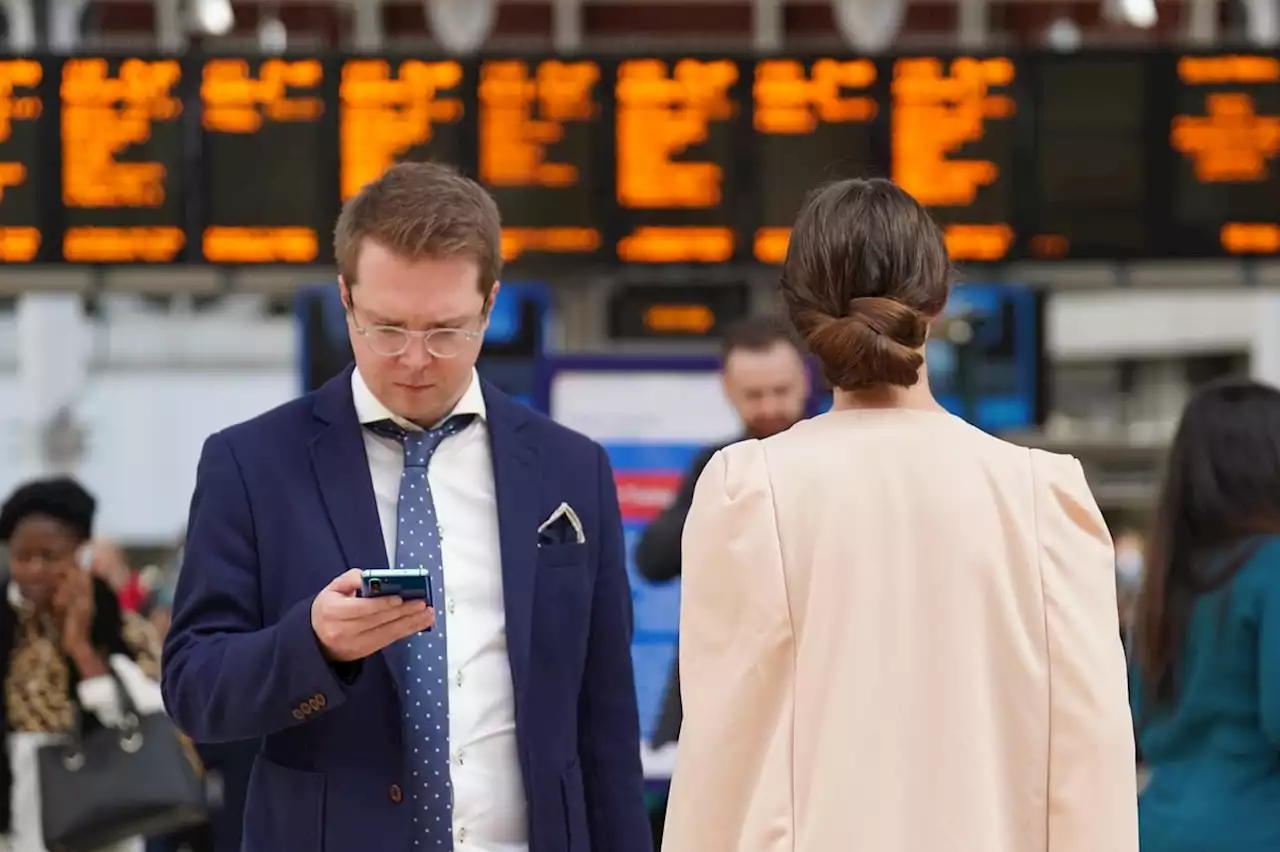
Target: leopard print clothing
(143,640)
(37,690)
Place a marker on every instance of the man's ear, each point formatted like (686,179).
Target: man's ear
(344,293)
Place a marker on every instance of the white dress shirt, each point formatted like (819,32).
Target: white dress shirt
(489,803)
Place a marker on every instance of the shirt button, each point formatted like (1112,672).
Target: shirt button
(451,605)
(462,834)
(459,756)
(396,794)
(458,679)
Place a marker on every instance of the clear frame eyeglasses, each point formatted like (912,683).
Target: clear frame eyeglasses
(392,340)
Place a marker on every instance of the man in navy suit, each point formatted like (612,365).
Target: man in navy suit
(503,717)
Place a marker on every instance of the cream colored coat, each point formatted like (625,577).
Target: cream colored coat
(899,634)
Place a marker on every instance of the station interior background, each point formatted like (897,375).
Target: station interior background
(117,371)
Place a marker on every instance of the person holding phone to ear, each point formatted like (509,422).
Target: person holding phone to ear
(60,628)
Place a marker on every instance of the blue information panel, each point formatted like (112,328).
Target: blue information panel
(648,477)
(996,381)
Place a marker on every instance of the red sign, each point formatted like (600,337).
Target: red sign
(643,495)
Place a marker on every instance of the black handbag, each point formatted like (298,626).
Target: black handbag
(108,784)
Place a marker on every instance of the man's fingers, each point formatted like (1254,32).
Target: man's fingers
(397,629)
(357,609)
(346,583)
(409,609)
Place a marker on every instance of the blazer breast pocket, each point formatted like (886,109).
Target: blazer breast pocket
(563,555)
(562,611)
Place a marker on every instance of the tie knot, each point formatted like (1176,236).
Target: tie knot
(419,445)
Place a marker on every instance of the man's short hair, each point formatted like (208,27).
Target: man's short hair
(422,211)
(756,334)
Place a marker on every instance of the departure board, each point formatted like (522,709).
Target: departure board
(676,159)
(676,311)
(1091,157)
(953,145)
(396,110)
(1226,134)
(641,160)
(24,165)
(538,154)
(122,156)
(813,122)
(263,122)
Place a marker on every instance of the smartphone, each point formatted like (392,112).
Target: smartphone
(412,584)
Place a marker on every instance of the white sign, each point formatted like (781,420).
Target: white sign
(662,407)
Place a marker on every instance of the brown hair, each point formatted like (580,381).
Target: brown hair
(1218,506)
(755,334)
(866,271)
(420,211)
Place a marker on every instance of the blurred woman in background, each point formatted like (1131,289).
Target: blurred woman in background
(1205,676)
(60,628)
(897,632)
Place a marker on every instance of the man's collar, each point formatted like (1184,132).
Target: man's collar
(369,409)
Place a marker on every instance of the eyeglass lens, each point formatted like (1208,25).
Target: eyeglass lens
(440,342)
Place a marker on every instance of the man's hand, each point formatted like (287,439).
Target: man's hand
(351,628)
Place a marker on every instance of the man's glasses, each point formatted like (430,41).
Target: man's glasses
(391,340)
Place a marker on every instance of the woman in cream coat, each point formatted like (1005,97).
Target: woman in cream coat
(898,633)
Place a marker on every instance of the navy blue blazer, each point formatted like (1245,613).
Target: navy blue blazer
(283,504)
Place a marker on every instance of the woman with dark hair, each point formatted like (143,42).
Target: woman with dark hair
(60,629)
(897,633)
(1205,676)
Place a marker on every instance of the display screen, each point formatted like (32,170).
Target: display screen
(122,133)
(1091,158)
(395,110)
(24,163)
(676,312)
(1225,133)
(647,159)
(813,123)
(994,379)
(952,147)
(676,123)
(263,120)
(539,121)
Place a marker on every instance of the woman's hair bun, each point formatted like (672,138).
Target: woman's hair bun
(876,343)
(866,272)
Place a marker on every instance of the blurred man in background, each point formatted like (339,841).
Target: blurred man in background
(766,382)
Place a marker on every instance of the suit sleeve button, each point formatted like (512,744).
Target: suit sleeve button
(396,794)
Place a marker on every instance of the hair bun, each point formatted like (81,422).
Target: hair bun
(877,343)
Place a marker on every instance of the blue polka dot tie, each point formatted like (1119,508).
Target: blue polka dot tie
(426,686)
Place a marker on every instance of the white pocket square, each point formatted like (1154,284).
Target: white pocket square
(552,529)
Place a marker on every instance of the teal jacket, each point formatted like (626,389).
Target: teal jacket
(1214,755)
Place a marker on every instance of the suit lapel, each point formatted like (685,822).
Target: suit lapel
(516,477)
(342,471)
